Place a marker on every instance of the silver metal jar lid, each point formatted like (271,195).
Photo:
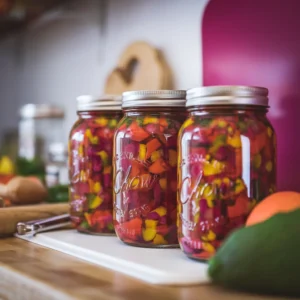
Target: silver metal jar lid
(227,95)
(105,102)
(154,98)
(41,111)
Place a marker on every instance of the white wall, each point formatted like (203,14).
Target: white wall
(71,50)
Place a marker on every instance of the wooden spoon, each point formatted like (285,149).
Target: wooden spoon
(22,190)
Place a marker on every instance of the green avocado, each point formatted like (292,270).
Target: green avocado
(263,258)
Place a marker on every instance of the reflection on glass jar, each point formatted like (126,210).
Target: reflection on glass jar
(90,164)
(145,168)
(227,163)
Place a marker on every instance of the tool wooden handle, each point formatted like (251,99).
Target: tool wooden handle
(10,216)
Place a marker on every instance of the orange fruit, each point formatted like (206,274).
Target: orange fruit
(281,202)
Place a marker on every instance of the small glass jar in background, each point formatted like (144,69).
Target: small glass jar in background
(39,127)
(145,168)
(90,163)
(57,178)
(227,163)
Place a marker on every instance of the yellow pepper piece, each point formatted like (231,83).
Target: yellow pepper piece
(251,204)
(187,123)
(149,234)
(257,161)
(97,187)
(217,182)
(222,124)
(213,168)
(159,240)
(142,152)
(196,218)
(92,139)
(113,123)
(234,141)
(163,183)
(210,236)
(208,247)
(80,150)
(172,158)
(88,133)
(210,203)
(230,130)
(88,218)
(269,131)
(269,166)
(107,170)
(102,121)
(239,186)
(151,223)
(162,211)
(149,120)
(226,180)
(208,194)
(104,156)
(135,183)
(156,155)
(6,166)
(96,202)
(83,176)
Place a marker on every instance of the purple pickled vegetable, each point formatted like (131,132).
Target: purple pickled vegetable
(107,180)
(153,216)
(96,164)
(107,197)
(222,153)
(108,147)
(82,188)
(203,208)
(195,170)
(223,189)
(152,128)
(133,196)
(172,141)
(157,193)
(163,220)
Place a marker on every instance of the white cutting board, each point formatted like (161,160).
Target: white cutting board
(155,266)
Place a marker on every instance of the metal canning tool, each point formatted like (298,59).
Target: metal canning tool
(37,226)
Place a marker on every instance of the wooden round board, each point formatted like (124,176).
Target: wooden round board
(140,67)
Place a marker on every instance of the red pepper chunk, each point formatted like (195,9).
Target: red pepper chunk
(152,146)
(159,166)
(137,133)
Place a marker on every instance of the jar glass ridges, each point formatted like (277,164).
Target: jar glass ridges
(145,168)
(227,163)
(90,163)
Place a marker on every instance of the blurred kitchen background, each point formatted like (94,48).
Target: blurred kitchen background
(52,51)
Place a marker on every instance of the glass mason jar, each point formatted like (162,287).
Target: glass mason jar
(90,164)
(145,168)
(227,163)
(57,179)
(40,126)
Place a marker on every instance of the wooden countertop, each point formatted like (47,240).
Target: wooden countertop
(29,271)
